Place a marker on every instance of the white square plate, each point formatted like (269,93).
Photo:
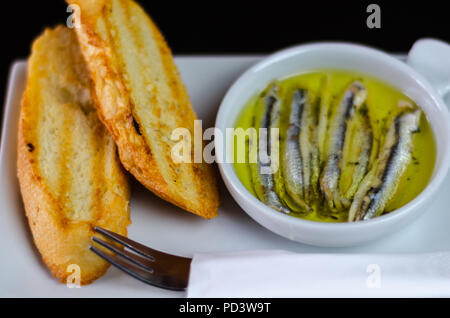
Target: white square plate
(161,225)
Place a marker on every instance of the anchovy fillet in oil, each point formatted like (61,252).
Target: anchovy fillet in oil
(325,105)
(380,185)
(352,99)
(263,172)
(357,152)
(292,161)
(308,145)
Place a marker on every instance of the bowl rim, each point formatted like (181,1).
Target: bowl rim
(231,179)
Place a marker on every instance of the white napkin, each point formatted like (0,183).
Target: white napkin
(286,274)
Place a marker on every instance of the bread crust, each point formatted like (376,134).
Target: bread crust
(61,230)
(144,149)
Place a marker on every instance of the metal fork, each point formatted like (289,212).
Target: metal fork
(146,264)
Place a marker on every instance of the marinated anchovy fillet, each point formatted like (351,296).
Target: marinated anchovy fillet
(325,105)
(292,163)
(313,122)
(263,172)
(353,98)
(357,153)
(307,141)
(380,185)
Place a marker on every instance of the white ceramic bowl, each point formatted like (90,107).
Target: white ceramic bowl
(348,57)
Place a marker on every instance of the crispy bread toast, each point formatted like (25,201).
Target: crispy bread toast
(70,175)
(141,100)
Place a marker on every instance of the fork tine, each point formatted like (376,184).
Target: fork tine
(151,278)
(121,264)
(145,263)
(167,271)
(139,248)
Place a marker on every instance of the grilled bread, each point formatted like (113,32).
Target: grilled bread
(70,176)
(141,100)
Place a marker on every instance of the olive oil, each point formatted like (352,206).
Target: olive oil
(383,104)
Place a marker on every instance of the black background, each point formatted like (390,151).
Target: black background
(243,27)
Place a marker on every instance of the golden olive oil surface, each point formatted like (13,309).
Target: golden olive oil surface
(383,102)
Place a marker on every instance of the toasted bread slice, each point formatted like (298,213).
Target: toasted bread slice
(70,175)
(142,100)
